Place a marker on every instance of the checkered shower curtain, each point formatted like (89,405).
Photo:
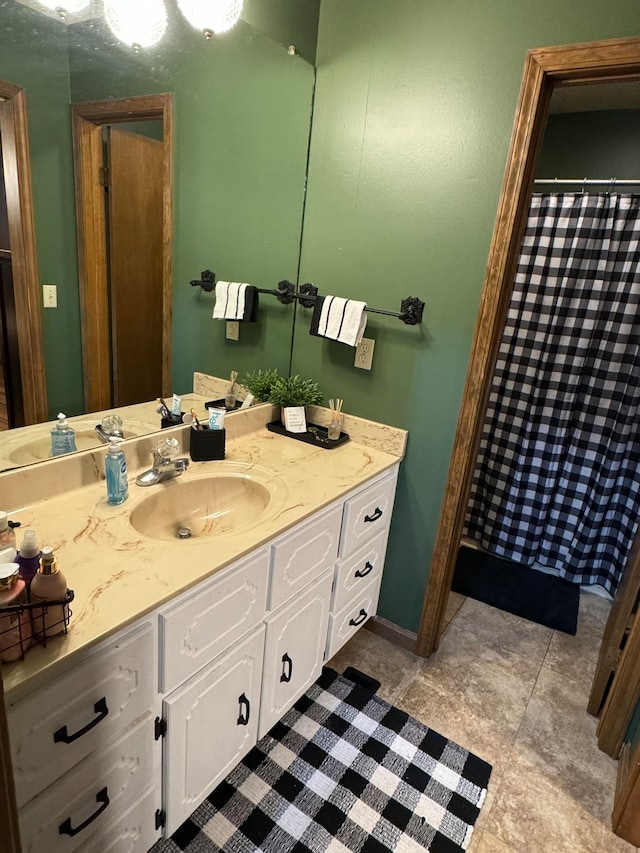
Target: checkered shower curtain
(557,479)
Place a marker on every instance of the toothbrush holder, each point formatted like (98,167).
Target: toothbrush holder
(206,444)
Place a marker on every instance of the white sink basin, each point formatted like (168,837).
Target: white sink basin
(213,505)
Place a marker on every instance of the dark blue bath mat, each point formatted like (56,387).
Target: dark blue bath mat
(534,595)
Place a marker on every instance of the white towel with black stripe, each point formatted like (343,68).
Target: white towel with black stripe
(235,301)
(339,319)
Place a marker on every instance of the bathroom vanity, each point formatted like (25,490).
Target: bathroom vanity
(181,654)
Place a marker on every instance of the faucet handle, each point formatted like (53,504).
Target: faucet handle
(166,449)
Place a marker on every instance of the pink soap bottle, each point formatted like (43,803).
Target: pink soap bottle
(15,627)
(49,584)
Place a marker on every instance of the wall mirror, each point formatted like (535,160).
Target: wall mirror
(241,116)
(547,71)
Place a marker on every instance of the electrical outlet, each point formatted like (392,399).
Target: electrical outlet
(49,296)
(364,353)
(233,330)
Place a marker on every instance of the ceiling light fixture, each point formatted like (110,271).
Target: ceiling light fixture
(211,16)
(138,23)
(65,7)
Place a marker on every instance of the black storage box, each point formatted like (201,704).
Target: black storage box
(206,444)
(171,421)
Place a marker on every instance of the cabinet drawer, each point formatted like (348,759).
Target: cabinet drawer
(88,799)
(344,623)
(212,722)
(303,554)
(294,650)
(133,833)
(367,514)
(57,726)
(198,629)
(355,573)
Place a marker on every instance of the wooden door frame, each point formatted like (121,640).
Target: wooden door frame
(24,263)
(592,62)
(87,121)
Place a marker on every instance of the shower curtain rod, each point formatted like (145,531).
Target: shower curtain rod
(588,181)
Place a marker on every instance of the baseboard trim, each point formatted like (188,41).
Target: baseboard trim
(392,632)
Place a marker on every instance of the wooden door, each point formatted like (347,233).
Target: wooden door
(135,194)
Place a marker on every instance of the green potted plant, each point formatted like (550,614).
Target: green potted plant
(260,382)
(292,394)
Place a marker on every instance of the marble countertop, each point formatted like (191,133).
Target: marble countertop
(119,575)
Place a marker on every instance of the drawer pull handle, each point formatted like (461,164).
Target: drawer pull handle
(244,721)
(287,669)
(66,828)
(367,568)
(361,617)
(375,516)
(62,736)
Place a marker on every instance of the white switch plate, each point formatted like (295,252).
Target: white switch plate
(49,296)
(233,330)
(364,353)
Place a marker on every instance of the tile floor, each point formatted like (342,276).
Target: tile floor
(515,693)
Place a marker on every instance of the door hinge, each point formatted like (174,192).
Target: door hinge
(103,176)
(160,728)
(161,819)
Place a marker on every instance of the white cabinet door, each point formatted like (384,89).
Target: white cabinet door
(344,624)
(58,725)
(135,832)
(206,622)
(294,650)
(88,800)
(212,722)
(303,554)
(368,513)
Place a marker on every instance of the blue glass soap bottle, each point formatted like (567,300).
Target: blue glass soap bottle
(115,472)
(63,437)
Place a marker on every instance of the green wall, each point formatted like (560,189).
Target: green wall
(414,107)
(33,54)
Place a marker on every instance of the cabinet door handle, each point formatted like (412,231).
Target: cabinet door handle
(367,568)
(65,828)
(361,617)
(287,668)
(377,513)
(62,736)
(242,700)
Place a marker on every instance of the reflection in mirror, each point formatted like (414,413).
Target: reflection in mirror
(241,120)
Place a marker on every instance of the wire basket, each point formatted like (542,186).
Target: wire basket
(25,625)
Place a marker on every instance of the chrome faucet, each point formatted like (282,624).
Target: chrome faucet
(165,465)
(110,427)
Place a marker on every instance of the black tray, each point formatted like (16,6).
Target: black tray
(219,404)
(316,435)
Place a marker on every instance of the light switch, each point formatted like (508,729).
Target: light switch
(49,296)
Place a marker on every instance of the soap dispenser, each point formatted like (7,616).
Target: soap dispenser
(115,472)
(49,584)
(29,555)
(63,437)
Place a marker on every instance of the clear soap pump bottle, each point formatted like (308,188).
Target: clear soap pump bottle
(115,471)
(63,437)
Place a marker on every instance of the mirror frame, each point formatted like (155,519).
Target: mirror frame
(24,264)
(615,60)
(88,118)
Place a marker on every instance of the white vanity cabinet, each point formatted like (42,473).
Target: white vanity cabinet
(83,749)
(132,737)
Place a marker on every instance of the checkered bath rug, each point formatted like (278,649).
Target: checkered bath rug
(342,772)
